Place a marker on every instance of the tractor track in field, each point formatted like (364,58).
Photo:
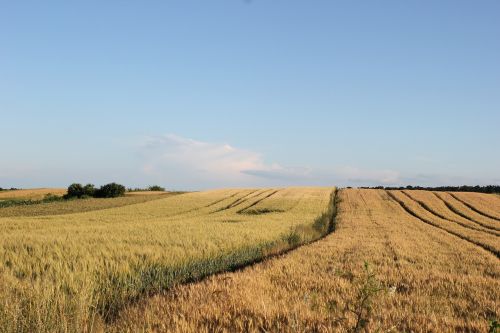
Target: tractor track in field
(473,208)
(465,216)
(220,200)
(247,197)
(207,206)
(258,201)
(433,212)
(239,201)
(410,211)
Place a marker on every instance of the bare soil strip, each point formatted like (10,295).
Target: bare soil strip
(78,205)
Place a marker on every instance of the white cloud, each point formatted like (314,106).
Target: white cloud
(183,162)
(447,180)
(353,175)
(276,171)
(174,159)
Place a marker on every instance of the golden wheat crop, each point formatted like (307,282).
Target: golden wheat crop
(485,204)
(141,193)
(432,203)
(482,238)
(33,194)
(72,272)
(420,278)
(77,206)
(459,208)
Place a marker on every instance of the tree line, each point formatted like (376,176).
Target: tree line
(462,188)
(149,188)
(111,190)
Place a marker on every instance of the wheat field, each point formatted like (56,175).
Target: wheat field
(362,261)
(144,193)
(486,205)
(75,272)
(479,235)
(31,194)
(384,269)
(78,206)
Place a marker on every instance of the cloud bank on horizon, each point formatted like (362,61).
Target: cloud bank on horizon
(179,162)
(173,159)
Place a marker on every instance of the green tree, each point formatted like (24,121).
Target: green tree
(111,190)
(75,190)
(156,188)
(89,190)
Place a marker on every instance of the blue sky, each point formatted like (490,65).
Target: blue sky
(202,94)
